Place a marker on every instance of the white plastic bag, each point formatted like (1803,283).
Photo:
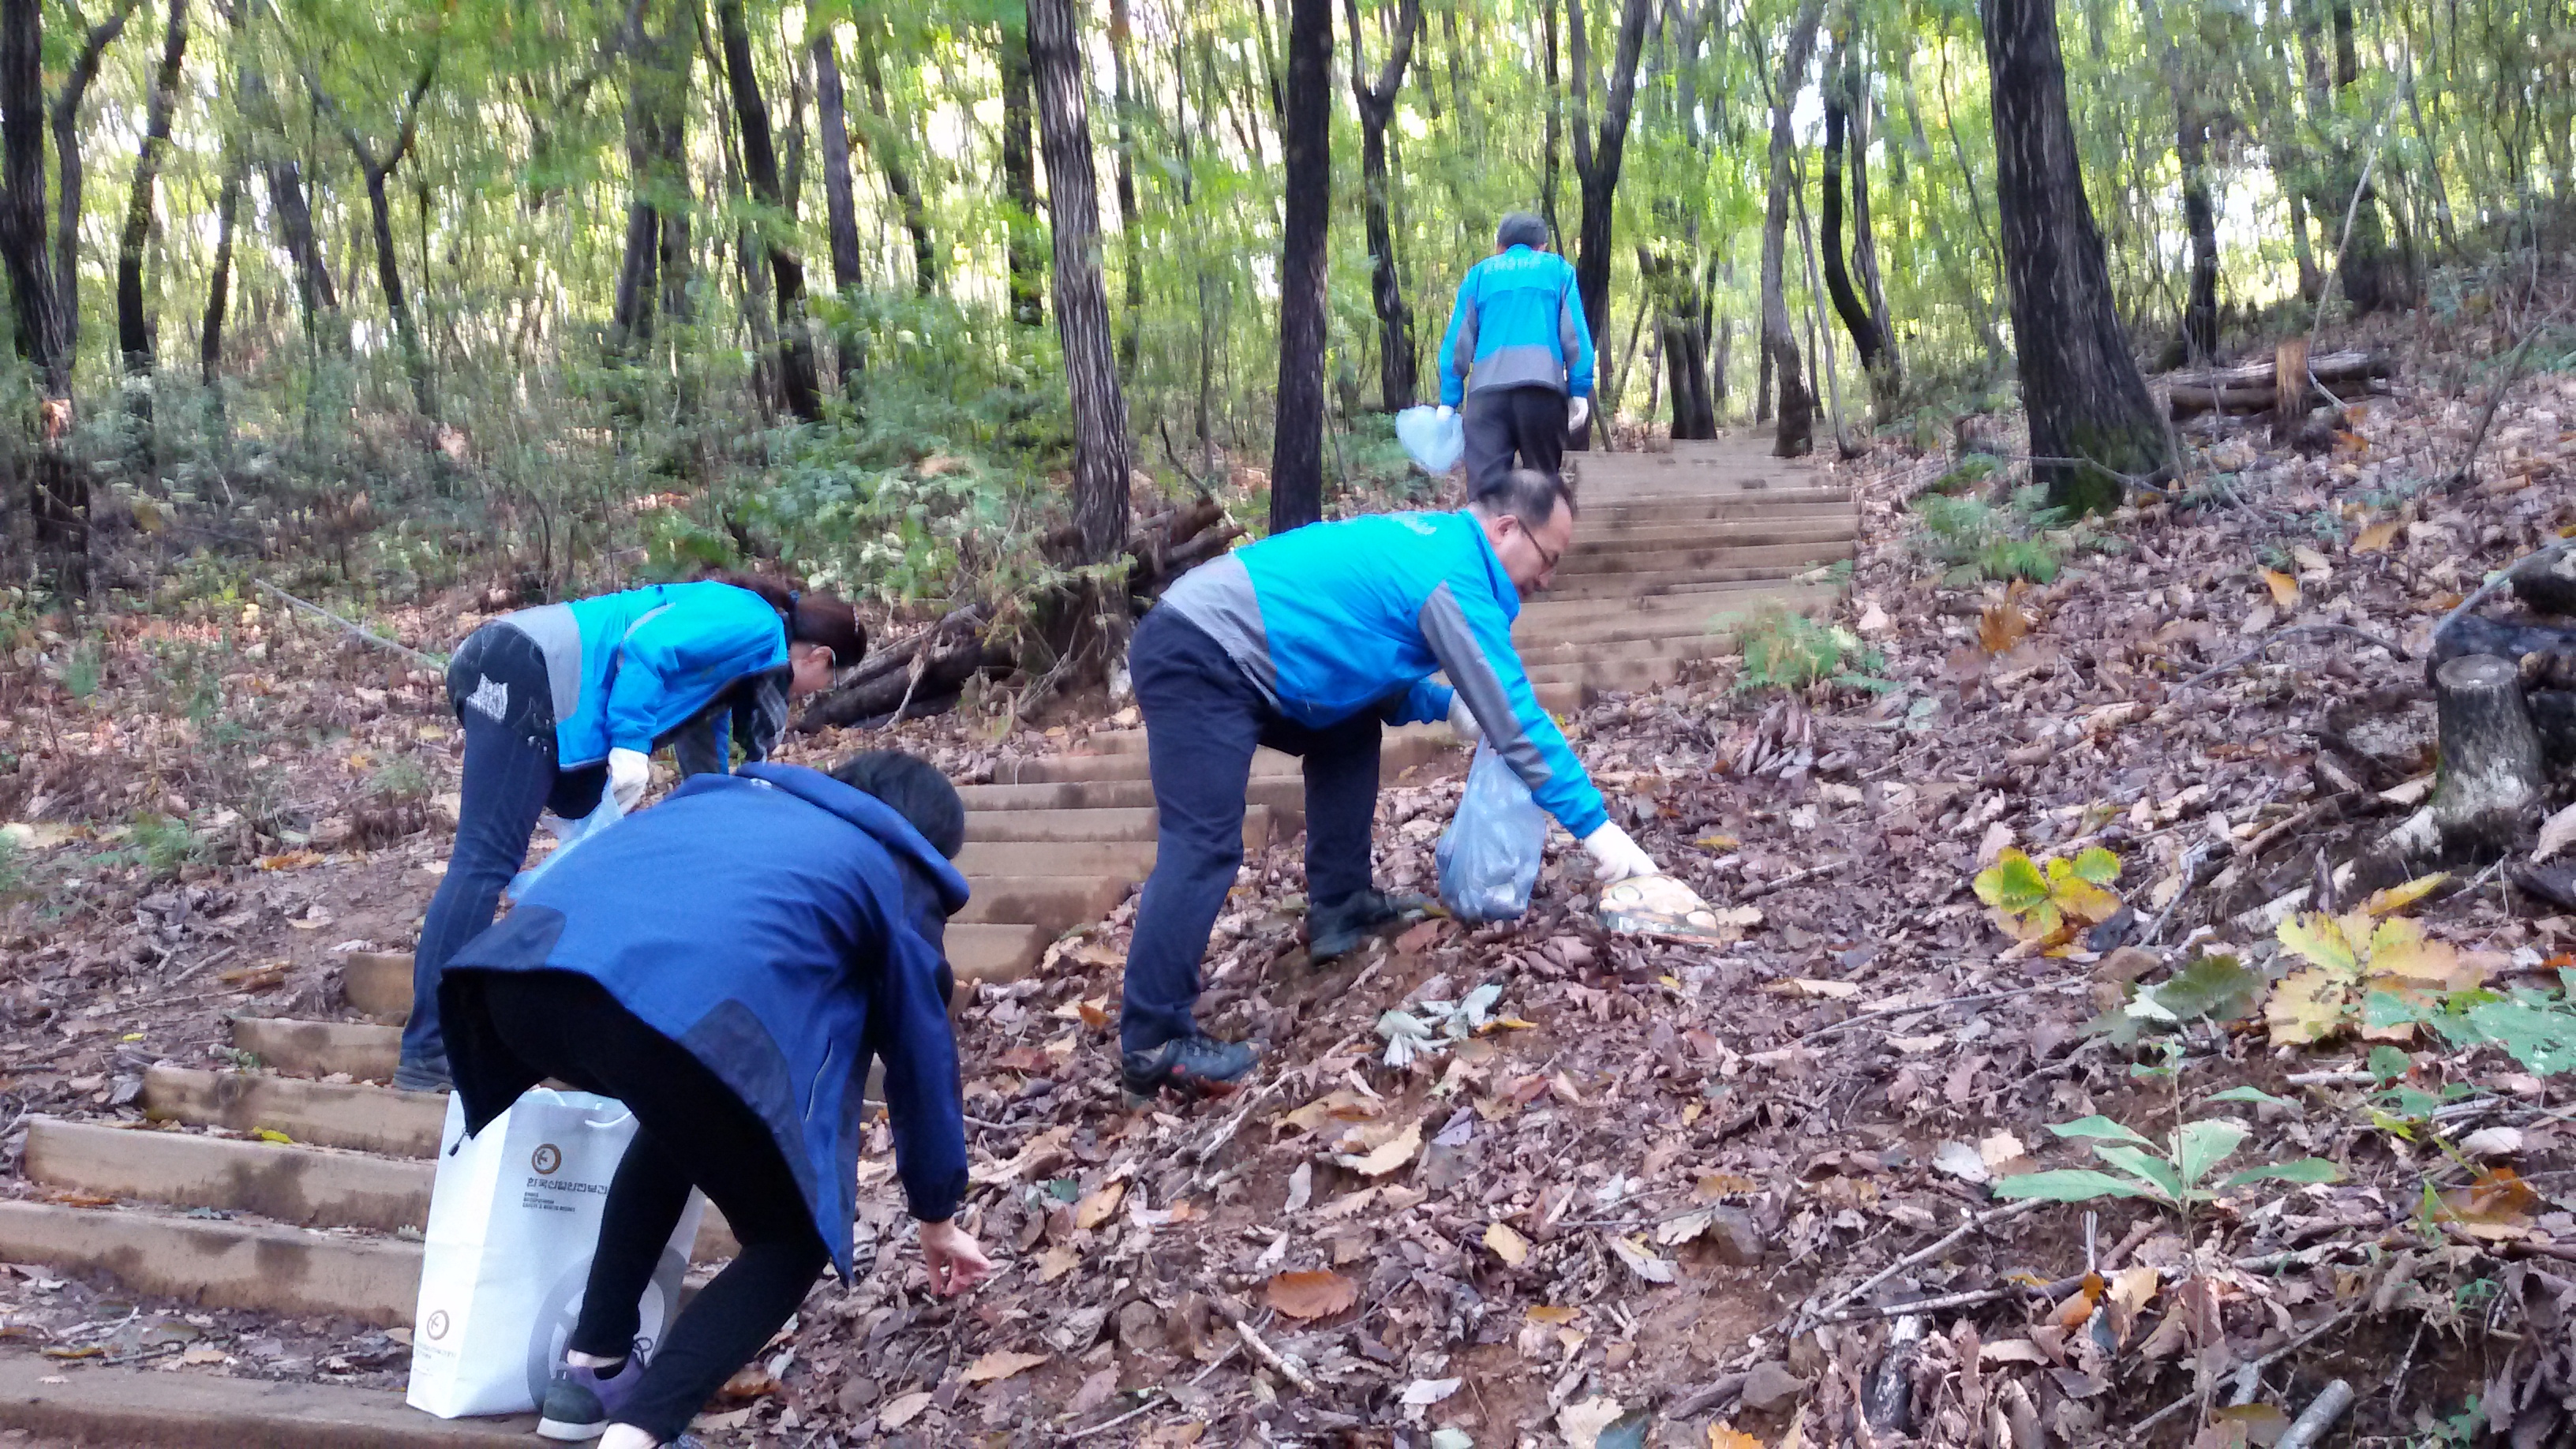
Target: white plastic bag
(568,833)
(513,1222)
(1489,855)
(1435,443)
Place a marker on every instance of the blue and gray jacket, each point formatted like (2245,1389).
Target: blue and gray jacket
(1334,618)
(786,929)
(1518,322)
(683,662)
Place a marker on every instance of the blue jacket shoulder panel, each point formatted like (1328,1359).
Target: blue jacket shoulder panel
(652,659)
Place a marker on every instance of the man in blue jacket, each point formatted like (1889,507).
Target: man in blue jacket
(1310,642)
(1517,350)
(727,964)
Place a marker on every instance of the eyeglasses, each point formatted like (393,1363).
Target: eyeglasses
(1546,559)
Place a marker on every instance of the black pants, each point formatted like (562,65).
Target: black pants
(1503,421)
(498,687)
(1203,719)
(692,1131)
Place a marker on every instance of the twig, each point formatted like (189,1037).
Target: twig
(2495,398)
(2276,636)
(1947,1301)
(1152,1400)
(1264,1352)
(1765,888)
(209,960)
(2321,1413)
(361,631)
(1974,1222)
(2258,1365)
(1977,1000)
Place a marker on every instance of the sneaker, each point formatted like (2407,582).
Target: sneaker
(416,1076)
(580,1400)
(1193,1066)
(1333,931)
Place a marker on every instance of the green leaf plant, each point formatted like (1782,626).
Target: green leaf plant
(2175,1173)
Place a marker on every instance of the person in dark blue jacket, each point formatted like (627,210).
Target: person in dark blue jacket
(1309,641)
(563,702)
(1517,360)
(727,964)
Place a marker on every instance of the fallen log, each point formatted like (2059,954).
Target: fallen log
(2253,387)
(942,675)
(893,662)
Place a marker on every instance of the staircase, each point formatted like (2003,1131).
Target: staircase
(326,1222)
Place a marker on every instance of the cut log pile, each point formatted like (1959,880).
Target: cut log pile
(2254,387)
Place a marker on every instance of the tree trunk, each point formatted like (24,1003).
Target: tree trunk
(1599,160)
(1020,179)
(69,168)
(210,338)
(1101,449)
(888,146)
(1386,288)
(2080,383)
(315,292)
(1672,290)
(1555,119)
(1297,442)
(133,326)
(1887,375)
(1131,263)
(60,499)
(1868,343)
(840,205)
(798,386)
(397,306)
(1780,360)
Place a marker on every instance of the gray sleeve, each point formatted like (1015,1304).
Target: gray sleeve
(1462,358)
(1569,333)
(1472,673)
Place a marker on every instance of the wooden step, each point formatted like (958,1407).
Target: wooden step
(1592,551)
(1132,823)
(325,1114)
(1053,903)
(265,1267)
(309,1187)
(134,1409)
(321,1048)
(1125,859)
(1789,544)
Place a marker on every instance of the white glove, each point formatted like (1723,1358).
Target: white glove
(629,771)
(1462,720)
(1577,413)
(1447,412)
(1617,857)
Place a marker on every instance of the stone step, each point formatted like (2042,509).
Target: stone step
(1619,672)
(264,1267)
(134,1409)
(310,1187)
(323,1114)
(1702,640)
(1129,859)
(321,1048)
(1551,609)
(1053,903)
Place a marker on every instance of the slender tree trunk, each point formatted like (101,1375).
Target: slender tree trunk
(210,337)
(798,386)
(133,324)
(1867,342)
(397,305)
(1102,452)
(888,142)
(69,170)
(1887,375)
(840,203)
(60,498)
(1131,254)
(1671,288)
(1598,159)
(1020,178)
(1297,443)
(1796,405)
(1376,100)
(2080,383)
(1555,119)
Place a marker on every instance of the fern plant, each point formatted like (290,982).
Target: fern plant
(1783,650)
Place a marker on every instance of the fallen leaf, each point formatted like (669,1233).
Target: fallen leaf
(1001,1364)
(2556,833)
(751,1381)
(1423,1392)
(1961,1161)
(1100,1206)
(1508,1245)
(1998,839)
(1174,1436)
(1095,1391)
(1642,1263)
(902,1411)
(1808,986)
(1312,1295)
(2377,537)
(2001,1148)
(1054,1263)
(1301,1188)
(1582,1423)
(2012,1350)
(1397,1151)
(1549,1313)
(2492,1142)
(1727,1436)
(2285,589)
(2135,1288)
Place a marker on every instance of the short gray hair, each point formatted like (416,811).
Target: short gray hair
(1527,494)
(1521,229)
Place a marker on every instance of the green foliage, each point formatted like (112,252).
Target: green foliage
(2174,1173)
(2536,1028)
(2045,902)
(13,869)
(82,670)
(1963,478)
(1786,650)
(2211,989)
(1979,541)
(162,845)
(400,781)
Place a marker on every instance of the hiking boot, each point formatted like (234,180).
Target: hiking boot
(420,1076)
(580,1400)
(1192,1066)
(1338,930)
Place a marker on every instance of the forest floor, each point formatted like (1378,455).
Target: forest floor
(1660,1187)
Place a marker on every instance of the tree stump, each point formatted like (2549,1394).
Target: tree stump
(2488,789)
(2548,585)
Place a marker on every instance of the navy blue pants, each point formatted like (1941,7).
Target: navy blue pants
(1203,719)
(497,684)
(1512,427)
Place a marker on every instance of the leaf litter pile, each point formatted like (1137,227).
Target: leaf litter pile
(2031,1103)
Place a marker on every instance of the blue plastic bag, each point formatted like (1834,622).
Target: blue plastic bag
(569,833)
(1489,855)
(1435,443)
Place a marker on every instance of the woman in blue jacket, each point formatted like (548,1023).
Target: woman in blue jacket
(563,702)
(727,964)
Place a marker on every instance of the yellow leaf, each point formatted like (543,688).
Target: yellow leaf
(2285,589)
(1312,1295)
(2398,897)
(1550,1314)
(2378,536)
(271,1134)
(2307,1007)
(1726,1436)
(1000,1364)
(1098,1208)
(2319,938)
(1342,1106)
(1509,1246)
(1054,1263)
(1397,1151)
(2135,1288)
(2085,901)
